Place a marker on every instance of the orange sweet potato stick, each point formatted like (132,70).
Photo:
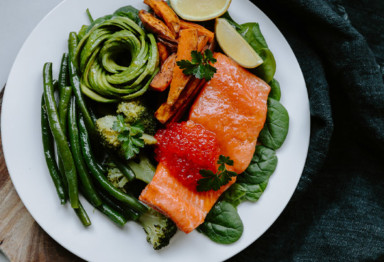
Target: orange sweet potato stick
(172,113)
(156,26)
(166,13)
(163,52)
(171,45)
(188,42)
(163,79)
(186,99)
(200,29)
(202,42)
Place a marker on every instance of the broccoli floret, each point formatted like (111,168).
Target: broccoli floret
(109,137)
(117,178)
(138,110)
(144,170)
(159,229)
(132,110)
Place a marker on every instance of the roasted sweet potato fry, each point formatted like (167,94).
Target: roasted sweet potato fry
(171,45)
(186,99)
(172,113)
(164,113)
(156,26)
(202,42)
(163,79)
(201,30)
(166,13)
(163,52)
(187,43)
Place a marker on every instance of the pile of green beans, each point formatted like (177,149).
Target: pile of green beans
(70,126)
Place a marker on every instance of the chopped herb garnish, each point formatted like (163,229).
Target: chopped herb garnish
(214,181)
(200,65)
(129,136)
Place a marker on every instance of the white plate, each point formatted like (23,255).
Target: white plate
(104,241)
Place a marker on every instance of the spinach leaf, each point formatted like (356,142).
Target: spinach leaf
(130,12)
(276,126)
(275,90)
(252,34)
(255,177)
(252,183)
(222,224)
(267,69)
(235,194)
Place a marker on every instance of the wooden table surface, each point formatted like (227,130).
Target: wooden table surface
(21,238)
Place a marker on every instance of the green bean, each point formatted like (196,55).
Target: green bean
(62,174)
(65,97)
(59,136)
(55,84)
(94,118)
(82,215)
(92,114)
(72,44)
(89,16)
(131,201)
(99,166)
(127,212)
(113,214)
(107,210)
(49,153)
(60,85)
(79,161)
(125,169)
(75,83)
(63,74)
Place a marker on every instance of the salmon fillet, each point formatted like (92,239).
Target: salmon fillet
(233,105)
(187,208)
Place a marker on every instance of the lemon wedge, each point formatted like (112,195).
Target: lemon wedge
(200,10)
(235,46)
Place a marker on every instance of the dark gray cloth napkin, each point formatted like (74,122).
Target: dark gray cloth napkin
(337,211)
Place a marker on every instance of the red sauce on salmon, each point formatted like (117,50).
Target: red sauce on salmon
(186,148)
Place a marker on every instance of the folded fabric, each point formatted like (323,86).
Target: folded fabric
(337,211)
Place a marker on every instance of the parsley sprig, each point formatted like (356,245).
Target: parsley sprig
(129,136)
(214,181)
(199,66)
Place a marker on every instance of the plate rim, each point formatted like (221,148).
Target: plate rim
(5,144)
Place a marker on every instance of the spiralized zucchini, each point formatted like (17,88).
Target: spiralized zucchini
(117,60)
